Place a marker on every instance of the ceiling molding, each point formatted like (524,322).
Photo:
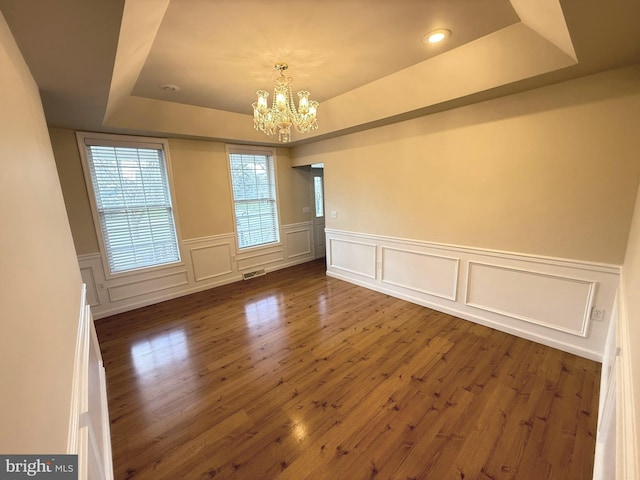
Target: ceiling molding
(141,20)
(486,63)
(100,64)
(546,18)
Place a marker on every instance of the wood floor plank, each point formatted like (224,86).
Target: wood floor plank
(296,375)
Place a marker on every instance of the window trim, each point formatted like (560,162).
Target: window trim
(253,150)
(135,142)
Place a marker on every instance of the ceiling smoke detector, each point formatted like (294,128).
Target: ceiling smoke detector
(170,88)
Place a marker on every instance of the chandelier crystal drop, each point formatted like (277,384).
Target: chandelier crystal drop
(282,114)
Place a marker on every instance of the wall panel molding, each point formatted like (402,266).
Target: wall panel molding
(298,242)
(353,257)
(207,262)
(554,301)
(563,262)
(260,259)
(544,299)
(92,292)
(211,261)
(422,272)
(137,288)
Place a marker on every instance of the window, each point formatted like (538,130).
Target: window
(253,183)
(317,187)
(131,201)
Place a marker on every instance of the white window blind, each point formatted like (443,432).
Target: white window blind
(254,197)
(133,203)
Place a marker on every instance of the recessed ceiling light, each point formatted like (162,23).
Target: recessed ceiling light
(170,88)
(436,36)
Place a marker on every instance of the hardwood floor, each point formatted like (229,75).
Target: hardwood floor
(296,375)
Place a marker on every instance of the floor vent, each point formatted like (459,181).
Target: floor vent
(255,273)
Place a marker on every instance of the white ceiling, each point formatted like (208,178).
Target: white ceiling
(100,63)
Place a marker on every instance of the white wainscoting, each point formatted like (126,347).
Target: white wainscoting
(207,262)
(561,303)
(353,257)
(89,431)
(605,455)
(93,277)
(626,443)
(140,287)
(404,268)
(211,260)
(547,300)
(298,242)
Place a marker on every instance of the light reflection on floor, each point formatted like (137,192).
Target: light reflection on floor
(155,354)
(321,304)
(263,310)
(299,430)
(156,358)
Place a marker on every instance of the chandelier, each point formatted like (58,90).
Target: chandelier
(283,113)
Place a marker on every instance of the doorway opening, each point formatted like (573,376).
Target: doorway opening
(317,176)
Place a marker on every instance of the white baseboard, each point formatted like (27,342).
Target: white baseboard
(543,299)
(207,262)
(544,340)
(120,307)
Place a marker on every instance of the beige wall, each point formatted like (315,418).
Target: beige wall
(294,189)
(39,275)
(74,189)
(551,172)
(201,184)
